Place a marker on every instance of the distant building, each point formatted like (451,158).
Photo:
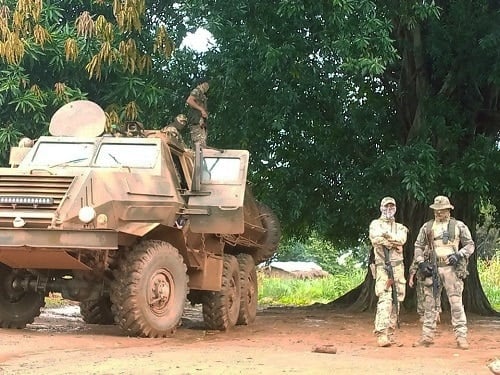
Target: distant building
(294,270)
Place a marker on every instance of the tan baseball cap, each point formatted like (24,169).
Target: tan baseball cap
(387,200)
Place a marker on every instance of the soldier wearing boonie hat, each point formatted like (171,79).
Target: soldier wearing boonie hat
(386,232)
(449,242)
(173,129)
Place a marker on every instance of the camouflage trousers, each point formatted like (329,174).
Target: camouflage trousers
(386,317)
(454,287)
(198,134)
(419,289)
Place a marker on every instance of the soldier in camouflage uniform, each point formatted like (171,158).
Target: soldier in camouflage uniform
(386,232)
(174,128)
(446,235)
(197,112)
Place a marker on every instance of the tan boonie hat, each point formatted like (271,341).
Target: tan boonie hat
(441,202)
(387,200)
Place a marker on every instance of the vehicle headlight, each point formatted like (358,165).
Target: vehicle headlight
(18,222)
(86,214)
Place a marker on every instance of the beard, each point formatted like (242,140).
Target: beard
(442,215)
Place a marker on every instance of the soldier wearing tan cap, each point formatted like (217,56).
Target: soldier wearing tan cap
(387,238)
(442,248)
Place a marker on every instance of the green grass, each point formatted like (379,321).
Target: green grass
(295,292)
(275,291)
(489,274)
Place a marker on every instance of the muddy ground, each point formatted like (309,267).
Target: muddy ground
(281,341)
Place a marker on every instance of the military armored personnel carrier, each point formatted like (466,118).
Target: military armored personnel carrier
(130,224)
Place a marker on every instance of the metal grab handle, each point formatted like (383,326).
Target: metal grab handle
(228,208)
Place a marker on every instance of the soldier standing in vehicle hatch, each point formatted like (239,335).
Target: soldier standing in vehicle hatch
(197,112)
(444,263)
(387,238)
(174,128)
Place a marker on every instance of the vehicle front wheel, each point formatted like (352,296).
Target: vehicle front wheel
(149,290)
(17,307)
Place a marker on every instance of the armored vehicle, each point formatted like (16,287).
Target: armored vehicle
(132,225)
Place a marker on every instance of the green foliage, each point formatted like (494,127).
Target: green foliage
(295,292)
(66,56)
(343,102)
(331,258)
(488,233)
(489,274)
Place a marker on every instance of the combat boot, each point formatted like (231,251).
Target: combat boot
(462,343)
(423,341)
(383,341)
(392,338)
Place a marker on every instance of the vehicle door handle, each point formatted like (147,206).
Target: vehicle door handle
(228,208)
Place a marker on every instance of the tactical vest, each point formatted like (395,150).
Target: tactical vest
(461,266)
(452,224)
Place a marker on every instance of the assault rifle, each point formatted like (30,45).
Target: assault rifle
(435,275)
(391,283)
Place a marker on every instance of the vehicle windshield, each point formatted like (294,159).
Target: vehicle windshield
(63,153)
(127,155)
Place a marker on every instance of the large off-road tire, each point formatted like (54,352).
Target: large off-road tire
(221,309)
(97,311)
(149,290)
(249,289)
(272,238)
(17,308)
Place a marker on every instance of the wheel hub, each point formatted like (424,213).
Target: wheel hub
(160,290)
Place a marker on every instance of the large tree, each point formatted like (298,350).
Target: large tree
(115,53)
(343,102)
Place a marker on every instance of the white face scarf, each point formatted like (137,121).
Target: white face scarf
(388,212)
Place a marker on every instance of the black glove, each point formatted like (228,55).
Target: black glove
(425,269)
(453,259)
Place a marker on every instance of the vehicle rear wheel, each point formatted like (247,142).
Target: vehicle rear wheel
(17,307)
(272,237)
(249,289)
(149,290)
(97,311)
(221,309)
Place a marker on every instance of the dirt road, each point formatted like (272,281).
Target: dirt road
(281,341)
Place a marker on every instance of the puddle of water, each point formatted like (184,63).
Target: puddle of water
(70,312)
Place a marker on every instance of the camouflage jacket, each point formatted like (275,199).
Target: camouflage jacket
(462,237)
(193,114)
(389,234)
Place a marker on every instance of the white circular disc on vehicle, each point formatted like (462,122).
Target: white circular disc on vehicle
(80,118)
